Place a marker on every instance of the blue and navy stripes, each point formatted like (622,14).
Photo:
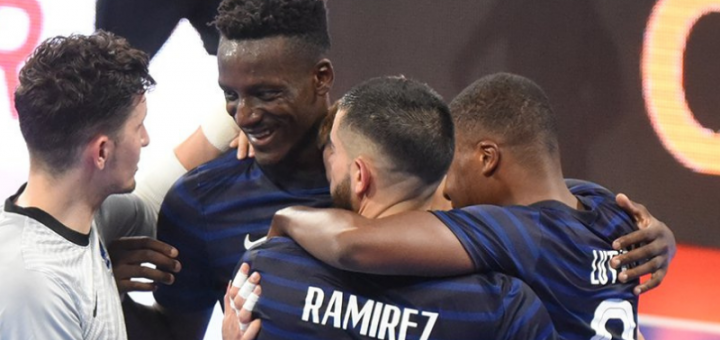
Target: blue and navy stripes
(485,306)
(208,213)
(558,251)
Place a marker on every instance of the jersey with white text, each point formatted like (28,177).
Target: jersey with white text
(563,254)
(210,215)
(303,298)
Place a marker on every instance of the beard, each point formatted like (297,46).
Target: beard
(341,195)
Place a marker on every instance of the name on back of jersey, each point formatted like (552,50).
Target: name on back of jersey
(602,273)
(369,318)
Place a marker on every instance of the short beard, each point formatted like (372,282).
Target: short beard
(341,195)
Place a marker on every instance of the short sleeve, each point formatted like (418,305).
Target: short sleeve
(124,215)
(497,239)
(36,307)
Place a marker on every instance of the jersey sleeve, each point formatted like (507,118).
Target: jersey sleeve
(585,188)
(36,307)
(124,215)
(505,240)
(181,223)
(524,315)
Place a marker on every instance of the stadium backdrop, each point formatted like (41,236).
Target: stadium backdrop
(635,85)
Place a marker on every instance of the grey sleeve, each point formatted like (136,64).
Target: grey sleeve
(125,215)
(38,308)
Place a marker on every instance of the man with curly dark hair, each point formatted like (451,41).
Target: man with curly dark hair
(276,79)
(81,107)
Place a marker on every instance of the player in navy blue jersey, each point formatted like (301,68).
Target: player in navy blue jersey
(559,240)
(378,146)
(276,79)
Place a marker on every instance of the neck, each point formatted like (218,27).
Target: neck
(541,183)
(303,167)
(68,198)
(397,198)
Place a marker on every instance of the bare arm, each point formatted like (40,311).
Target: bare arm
(412,243)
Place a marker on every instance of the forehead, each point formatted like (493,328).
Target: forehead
(258,59)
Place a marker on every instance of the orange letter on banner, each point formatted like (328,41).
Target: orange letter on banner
(669,26)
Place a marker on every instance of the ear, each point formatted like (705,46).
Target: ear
(489,156)
(99,150)
(361,177)
(324,77)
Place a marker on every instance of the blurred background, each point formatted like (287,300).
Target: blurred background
(634,84)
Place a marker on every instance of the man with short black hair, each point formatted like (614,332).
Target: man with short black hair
(517,216)
(384,130)
(276,78)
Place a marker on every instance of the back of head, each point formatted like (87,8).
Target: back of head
(509,108)
(305,21)
(75,88)
(406,121)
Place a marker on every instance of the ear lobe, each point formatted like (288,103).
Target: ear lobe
(489,156)
(361,177)
(324,77)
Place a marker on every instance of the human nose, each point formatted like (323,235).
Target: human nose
(245,115)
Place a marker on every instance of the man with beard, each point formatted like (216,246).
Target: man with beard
(517,216)
(384,130)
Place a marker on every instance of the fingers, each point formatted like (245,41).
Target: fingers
(143,243)
(651,284)
(137,257)
(130,271)
(638,211)
(651,267)
(247,288)
(241,275)
(244,149)
(636,238)
(245,313)
(252,331)
(135,286)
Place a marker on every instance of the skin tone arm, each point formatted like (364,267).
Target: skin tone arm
(413,243)
(417,243)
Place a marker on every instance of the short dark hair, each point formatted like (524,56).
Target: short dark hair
(407,120)
(507,106)
(303,20)
(74,88)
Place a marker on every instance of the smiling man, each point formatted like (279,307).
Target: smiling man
(276,79)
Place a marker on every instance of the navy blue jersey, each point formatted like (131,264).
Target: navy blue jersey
(563,254)
(207,216)
(303,298)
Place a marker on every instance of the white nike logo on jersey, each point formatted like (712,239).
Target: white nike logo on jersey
(249,244)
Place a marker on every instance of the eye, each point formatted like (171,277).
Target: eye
(269,95)
(230,95)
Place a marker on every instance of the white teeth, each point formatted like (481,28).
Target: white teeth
(261,134)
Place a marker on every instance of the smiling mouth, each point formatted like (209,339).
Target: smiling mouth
(260,137)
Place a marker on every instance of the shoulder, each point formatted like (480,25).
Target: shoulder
(212,177)
(484,214)
(586,188)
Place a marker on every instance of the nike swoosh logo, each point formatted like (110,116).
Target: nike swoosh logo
(250,244)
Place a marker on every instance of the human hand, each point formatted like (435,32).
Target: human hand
(129,253)
(243,292)
(244,148)
(654,247)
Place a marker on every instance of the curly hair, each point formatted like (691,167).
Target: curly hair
(75,88)
(305,20)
